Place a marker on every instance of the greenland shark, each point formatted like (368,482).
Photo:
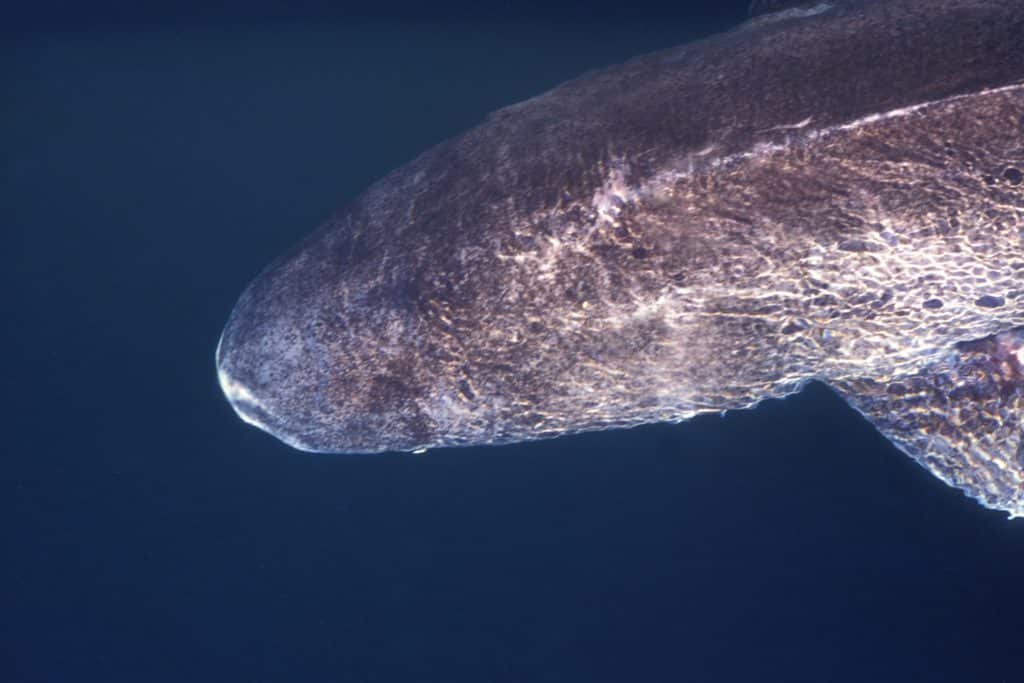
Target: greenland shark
(832,191)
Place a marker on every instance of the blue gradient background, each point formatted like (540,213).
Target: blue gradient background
(154,160)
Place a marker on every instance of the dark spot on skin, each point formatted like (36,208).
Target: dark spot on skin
(855,246)
(639,252)
(1013,175)
(867,297)
(793,327)
(933,303)
(884,299)
(824,300)
(989,180)
(989,301)
(465,390)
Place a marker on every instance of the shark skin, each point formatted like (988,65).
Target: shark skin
(832,191)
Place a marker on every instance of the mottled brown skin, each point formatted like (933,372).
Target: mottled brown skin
(832,194)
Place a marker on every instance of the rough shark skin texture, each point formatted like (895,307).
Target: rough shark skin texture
(830,192)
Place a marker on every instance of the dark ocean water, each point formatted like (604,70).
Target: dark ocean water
(152,165)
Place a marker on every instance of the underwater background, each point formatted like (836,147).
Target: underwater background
(155,158)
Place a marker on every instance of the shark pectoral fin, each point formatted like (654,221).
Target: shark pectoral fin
(959,417)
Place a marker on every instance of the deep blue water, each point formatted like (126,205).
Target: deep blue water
(152,166)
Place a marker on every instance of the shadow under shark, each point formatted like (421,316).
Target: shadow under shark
(831,191)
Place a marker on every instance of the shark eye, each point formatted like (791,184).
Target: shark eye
(1013,175)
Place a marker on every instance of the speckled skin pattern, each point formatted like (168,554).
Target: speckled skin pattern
(828,193)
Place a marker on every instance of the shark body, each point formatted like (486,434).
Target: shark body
(828,192)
